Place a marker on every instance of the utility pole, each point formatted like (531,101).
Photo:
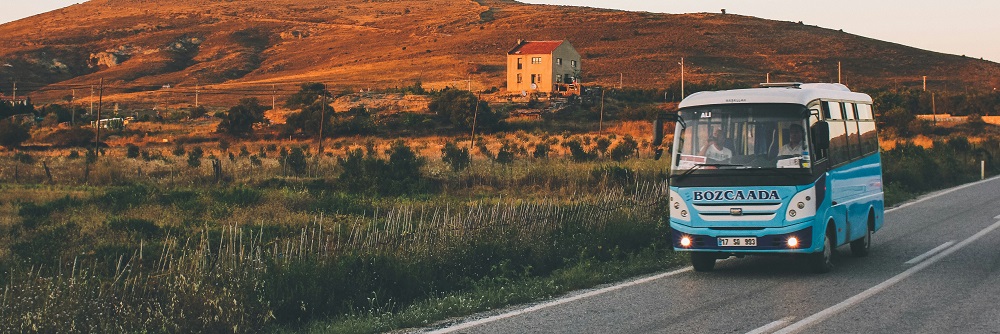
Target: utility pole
(14,97)
(925,83)
(767,79)
(72,109)
(600,125)
(91,99)
(196,93)
(273,91)
(322,119)
(100,104)
(839,77)
(475,116)
(621,80)
(934,108)
(682,78)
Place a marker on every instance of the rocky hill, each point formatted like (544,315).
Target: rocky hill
(228,49)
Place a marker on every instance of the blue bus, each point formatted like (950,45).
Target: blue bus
(787,168)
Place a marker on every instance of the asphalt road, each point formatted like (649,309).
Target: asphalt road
(934,268)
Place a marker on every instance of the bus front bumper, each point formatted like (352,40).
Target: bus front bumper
(766,240)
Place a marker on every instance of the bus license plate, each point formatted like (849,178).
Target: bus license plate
(738,242)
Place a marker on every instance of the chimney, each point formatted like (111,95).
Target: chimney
(520,41)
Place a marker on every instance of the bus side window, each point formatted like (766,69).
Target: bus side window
(838,134)
(853,137)
(866,128)
(815,112)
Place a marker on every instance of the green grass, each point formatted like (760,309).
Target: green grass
(498,293)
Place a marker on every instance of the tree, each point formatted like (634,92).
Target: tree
(309,93)
(13,134)
(308,119)
(240,119)
(459,108)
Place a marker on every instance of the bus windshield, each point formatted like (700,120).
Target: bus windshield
(741,136)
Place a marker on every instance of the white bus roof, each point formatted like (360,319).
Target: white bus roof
(776,93)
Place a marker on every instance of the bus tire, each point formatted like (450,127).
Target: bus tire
(822,262)
(861,247)
(703,261)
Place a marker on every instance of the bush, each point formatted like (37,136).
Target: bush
(240,119)
(178,150)
(72,137)
(625,149)
(131,151)
(505,155)
(369,174)
(194,157)
(456,158)
(24,158)
(459,107)
(542,150)
(296,160)
(577,153)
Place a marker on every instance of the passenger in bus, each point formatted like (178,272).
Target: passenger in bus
(794,144)
(716,150)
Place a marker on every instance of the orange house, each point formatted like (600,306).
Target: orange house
(543,67)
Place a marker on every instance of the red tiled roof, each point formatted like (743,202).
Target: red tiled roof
(536,47)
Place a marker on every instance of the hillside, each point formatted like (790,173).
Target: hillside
(229,49)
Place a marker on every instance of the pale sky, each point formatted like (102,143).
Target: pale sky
(960,27)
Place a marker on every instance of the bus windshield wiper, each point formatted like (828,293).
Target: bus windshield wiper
(699,166)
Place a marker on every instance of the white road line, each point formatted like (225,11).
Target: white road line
(832,310)
(559,302)
(944,192)
(772,326)
(930,252)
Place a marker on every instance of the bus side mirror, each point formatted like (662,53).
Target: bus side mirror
(821,135)
(657,138)
(658,132)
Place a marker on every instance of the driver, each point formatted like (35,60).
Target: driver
(794,144)
(715,150)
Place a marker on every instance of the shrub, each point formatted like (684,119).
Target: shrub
(542,150)
(131,151)
(194,157)
(459,107)
(625,149)
(240,119)
(577,153)
(456,158)
(296,160)
(506,154)
(72,137)
(178,150)
(24,158)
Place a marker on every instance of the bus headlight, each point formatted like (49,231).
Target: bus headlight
(793,242)
(802,205)
(685,241)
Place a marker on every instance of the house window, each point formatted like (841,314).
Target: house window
(558,77)
(536,60)
(519,78)
(572,63)
(519,65)
(559,61)
(534,78)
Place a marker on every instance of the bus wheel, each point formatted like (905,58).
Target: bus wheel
(860,247)
(822,262)
(703,261)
